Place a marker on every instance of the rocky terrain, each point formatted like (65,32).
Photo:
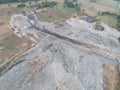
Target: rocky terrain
(73,56)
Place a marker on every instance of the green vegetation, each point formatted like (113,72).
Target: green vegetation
(27,10)
(56,14)
(108,19)
(58,10)
(118,22)
(43,16)
(63,11)
(68,10)
(10,1)
(118,86)
(24,12)
(72,4)
(47,4)
(21,5)
(92,1)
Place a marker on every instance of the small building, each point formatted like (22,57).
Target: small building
(90,19)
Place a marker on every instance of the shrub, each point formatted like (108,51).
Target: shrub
(21,5)
(47,4)
(118,22)
(108,13)
(24,12)
(70,4)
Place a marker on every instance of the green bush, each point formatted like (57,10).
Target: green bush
(47,4)
(118,22)
(70,4)
(21,5)
(24,12)
(11,1)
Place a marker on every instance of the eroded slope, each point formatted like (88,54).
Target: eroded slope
(72,57)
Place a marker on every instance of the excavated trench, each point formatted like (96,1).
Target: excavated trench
(73,41)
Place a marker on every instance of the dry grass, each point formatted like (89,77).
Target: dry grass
(100,5)
(10,44)
(5,29)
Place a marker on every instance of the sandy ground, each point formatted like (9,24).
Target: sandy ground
(5,29)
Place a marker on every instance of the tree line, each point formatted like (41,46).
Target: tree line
(47,4)
(11,1)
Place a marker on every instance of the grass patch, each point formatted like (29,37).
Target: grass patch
(27,10)
(108,19)
(43,16)
(56,13)
(68,10)
(57,10)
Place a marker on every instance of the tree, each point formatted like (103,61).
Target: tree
(119,39)
(92,1)
(118,17)
(11,1)
(78,7)
(21,5)
(24,12)
(75,1)
(118,22)
(47,4)
(9,5)
(69,4)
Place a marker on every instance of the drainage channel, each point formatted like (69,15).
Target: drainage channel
(73,41)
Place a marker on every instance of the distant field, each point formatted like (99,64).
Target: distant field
(60,13)
(6,5)
(100,5)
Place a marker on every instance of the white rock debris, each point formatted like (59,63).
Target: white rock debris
(71,57)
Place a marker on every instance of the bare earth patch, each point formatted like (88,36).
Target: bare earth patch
(5,29)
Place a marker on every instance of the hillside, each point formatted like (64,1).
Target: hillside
(81,58)
(60,45)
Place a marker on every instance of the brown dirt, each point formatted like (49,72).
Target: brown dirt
(5,29)
(110,77)
(12,45)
